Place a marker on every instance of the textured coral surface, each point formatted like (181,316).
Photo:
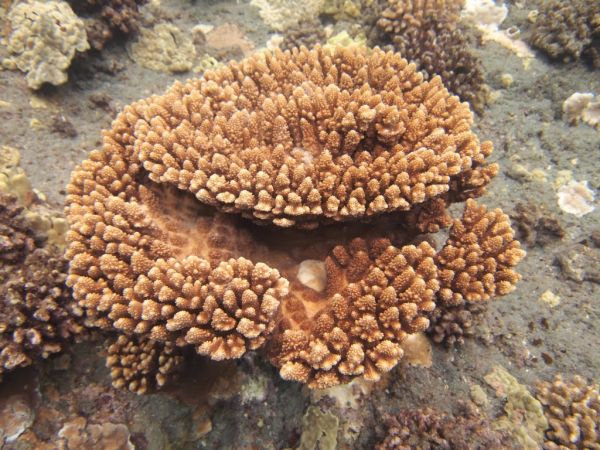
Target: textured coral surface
(572,407)
(293,139)
(36,317)
(310,137)
(548,325)
(428,34)
(430,429)
(568,30)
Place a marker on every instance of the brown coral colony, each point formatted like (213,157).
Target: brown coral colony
(297,139)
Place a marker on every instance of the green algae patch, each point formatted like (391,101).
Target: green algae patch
(320,429)
(524,418)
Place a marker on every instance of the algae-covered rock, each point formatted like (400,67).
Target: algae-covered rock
(43,40)
(320,429)
(524,418)
(164,48)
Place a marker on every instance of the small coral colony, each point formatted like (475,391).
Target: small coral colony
(291,203)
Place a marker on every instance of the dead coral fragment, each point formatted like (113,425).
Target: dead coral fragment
(375,295)
(307,137)
(44,39)
(568,30)
(582,107)
(576,198)
(477,261)
(573,411)
(140,364)
(35,316)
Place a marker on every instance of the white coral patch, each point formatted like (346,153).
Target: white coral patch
(582,106)
(575,197)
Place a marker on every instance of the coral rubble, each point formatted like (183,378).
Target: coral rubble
(568,30)
(44,39)
(427,428)
(292,140)
(572,408)
(536,225)
(579,262)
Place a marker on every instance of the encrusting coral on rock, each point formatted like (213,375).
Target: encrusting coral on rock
(428,34)
(44,37)
(81,434)
(291,140)
(568,30)
(36,317)
(572,408)
(164,48)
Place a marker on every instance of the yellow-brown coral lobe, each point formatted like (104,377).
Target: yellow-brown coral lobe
(306,137)
(477,261)
(140,364)
(572,407)
(375,295)
(417,11)
(140,261)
